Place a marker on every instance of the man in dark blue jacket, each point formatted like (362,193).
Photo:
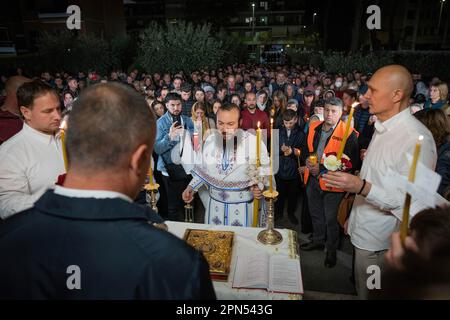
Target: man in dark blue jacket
(186,100)
(86,239)
(287,178)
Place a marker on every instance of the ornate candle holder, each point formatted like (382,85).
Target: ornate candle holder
(270,236)
(188,213)
(152,190)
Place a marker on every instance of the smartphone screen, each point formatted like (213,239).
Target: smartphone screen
(177,120)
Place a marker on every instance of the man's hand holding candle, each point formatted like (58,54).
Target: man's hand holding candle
(257,193)
(313,168)
(346,182)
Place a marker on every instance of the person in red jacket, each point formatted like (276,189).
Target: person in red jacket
(10,119)
(251,115)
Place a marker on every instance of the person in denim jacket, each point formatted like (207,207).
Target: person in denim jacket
(172,129)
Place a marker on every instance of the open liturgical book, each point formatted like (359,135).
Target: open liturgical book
(272,273)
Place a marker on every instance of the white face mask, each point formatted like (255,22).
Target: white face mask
(317,93)
(338,84)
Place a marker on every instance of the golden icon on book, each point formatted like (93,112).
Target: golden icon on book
(217,247)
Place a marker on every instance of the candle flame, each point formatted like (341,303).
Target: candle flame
(421,138)
(63,125)
(258,124)
(271,120)
(355,104)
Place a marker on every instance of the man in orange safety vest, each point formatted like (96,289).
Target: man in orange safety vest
(323,138)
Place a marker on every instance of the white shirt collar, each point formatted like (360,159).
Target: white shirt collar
(392,122)
(97,194)
(43,137)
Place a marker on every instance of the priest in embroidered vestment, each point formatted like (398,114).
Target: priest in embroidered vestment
(226,169)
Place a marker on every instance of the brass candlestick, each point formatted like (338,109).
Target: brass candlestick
(188,213)
(270,235)
(152,189)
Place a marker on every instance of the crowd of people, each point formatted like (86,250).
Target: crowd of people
(307,106)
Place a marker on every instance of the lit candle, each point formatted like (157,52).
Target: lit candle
(198,127)
(62,130)
(150,174)
(258,164)
(347,130)
(411,178)
(313,159)
(271,156)
(258,145)
(297,153)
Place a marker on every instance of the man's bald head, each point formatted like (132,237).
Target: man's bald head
(107,123)
(14,83)
(11,87)
(389,91)
(397,77)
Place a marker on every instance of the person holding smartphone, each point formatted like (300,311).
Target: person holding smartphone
(172,129)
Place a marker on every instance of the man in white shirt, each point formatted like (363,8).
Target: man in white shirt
(32,160)
(377,210)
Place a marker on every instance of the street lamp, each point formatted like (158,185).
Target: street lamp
(440,16)
(253,20)
(314,17)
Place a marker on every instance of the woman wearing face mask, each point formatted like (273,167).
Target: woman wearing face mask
(338,83)
(339,87)
(318,108)
(318,92)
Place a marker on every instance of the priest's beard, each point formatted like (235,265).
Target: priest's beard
(221,142)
